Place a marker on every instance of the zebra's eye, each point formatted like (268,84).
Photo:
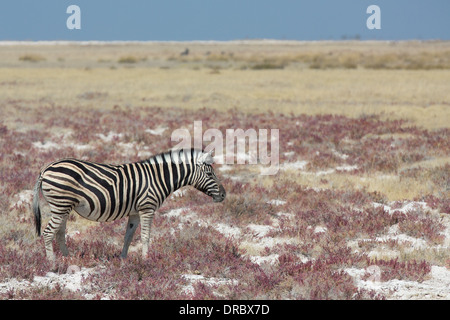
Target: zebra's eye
(209,174)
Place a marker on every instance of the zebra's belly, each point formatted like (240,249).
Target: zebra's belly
(84,210)
(95,214)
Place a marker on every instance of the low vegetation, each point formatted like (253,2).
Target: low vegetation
(309,230)
(362,186)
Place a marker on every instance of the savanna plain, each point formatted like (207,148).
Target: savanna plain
(359,208)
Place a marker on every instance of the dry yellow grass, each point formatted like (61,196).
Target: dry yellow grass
(419,96)
(393,187)
(161,77)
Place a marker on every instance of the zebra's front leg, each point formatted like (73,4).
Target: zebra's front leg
(54,226)
(133,222)
(146,225)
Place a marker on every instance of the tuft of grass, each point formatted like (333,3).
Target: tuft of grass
(130,59)
(419,226)
(410,270)
(32,58)
(268,65)
(91,95)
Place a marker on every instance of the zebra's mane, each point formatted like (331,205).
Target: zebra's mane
(181,156)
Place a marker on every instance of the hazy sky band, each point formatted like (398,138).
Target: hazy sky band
(185,20)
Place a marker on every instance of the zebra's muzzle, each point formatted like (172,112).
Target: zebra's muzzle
(221,196)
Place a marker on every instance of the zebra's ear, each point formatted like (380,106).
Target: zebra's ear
(209,158)
(206,158)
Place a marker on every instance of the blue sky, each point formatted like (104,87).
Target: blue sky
(185,20)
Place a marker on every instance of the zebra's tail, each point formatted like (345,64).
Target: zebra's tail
(36,208)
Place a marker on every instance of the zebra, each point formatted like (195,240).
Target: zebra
(103,193)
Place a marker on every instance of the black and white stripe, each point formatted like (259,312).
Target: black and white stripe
(101,192)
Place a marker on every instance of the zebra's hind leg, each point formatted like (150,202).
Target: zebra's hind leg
(56,226)
(61,236)
(133,222)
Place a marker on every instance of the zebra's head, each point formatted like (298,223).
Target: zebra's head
(207,181)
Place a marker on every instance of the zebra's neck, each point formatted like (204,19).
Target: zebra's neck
(172,170)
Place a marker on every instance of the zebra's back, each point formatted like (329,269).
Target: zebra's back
(96,191)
